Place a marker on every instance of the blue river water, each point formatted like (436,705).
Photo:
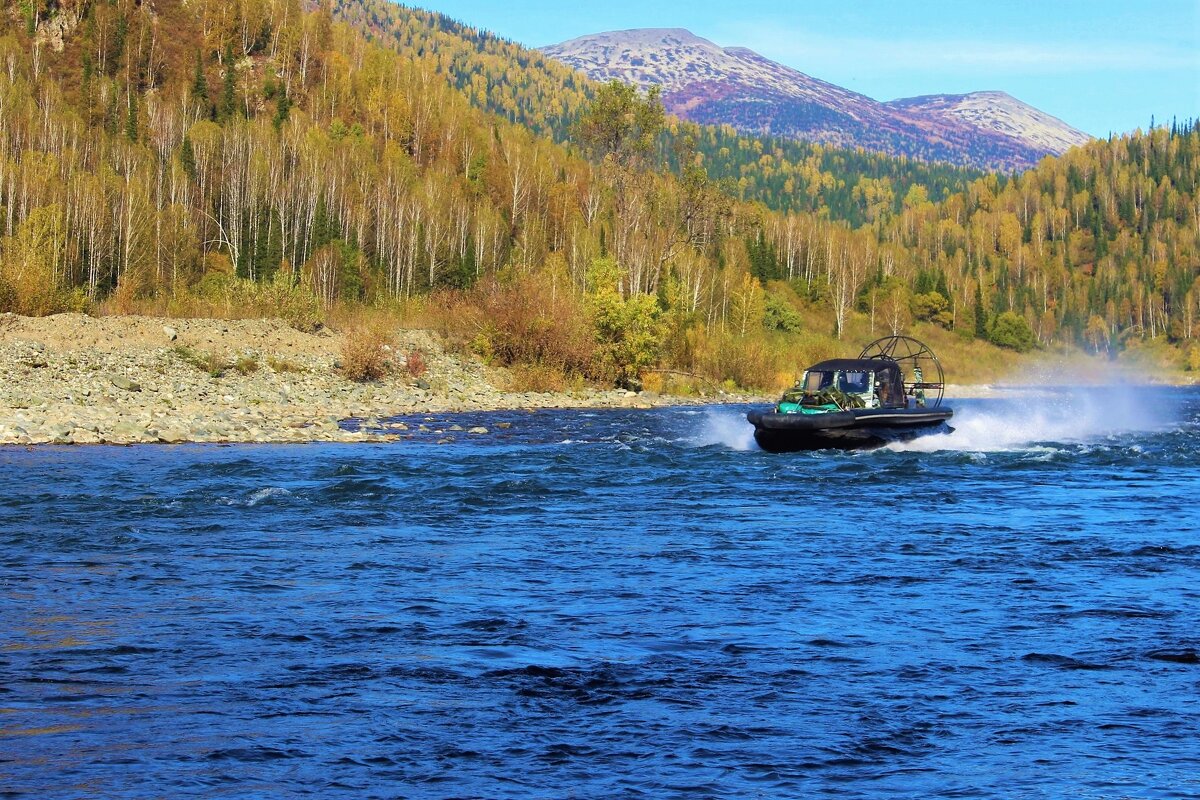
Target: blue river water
(613,604)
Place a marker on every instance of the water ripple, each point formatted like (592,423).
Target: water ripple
(606,604)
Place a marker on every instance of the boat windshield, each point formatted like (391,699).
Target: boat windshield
(855,382)
(817,382)
(848,382)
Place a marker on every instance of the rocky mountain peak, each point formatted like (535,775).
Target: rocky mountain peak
(707,83)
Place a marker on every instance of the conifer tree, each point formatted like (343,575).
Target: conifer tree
(131,120)
(200,87)
(980,312)
(229,87)
(187,158)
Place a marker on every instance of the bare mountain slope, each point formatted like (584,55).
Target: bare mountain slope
(1002,113)
(706,83)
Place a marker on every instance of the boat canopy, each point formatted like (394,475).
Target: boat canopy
(889,381)
(856,365)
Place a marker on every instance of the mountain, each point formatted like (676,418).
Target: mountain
(999,112)
(706,83)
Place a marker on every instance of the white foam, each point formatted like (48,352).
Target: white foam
(725,428)
(1038,419)
(262,495)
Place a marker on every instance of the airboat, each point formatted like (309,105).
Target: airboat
(892,392)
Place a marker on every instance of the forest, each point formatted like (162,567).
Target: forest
(208,157)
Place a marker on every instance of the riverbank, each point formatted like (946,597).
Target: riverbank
(74,379)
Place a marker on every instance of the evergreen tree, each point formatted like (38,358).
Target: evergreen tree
(229,87)
(283,107)
(942,287)
(85,89)
(187,158)
(200,86)
(131,119)
(980,312)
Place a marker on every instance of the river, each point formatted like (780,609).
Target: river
(613,604)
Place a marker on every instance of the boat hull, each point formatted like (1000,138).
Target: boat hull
(862,429)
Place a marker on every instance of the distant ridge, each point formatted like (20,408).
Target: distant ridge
(706,83)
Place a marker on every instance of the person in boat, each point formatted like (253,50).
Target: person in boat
(885,390)
(850,384)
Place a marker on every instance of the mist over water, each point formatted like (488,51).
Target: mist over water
(1048,415)
(613,604)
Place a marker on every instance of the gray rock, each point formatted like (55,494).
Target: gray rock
(123,383)
(59,434)
(479,431)
(171,333)
(126,432)
(82,436)
(423,385)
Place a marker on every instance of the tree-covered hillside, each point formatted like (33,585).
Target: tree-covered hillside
(539,93)
(202,156)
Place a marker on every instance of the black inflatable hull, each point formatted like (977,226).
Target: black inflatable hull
(845,430)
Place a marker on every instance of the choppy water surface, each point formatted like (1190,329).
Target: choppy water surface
(613,604)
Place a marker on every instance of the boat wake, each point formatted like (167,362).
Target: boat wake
(724,428)
(1040,417)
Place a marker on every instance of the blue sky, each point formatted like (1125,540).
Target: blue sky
(1101,65)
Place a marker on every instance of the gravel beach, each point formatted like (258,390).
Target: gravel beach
(74,379)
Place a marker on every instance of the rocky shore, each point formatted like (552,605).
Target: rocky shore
(73,379)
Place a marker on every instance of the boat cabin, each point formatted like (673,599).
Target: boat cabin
(874,383)
(860,403)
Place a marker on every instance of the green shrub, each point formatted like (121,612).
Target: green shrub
(28,262)
(933,307)
(628,330)
(281,297)
(1012,331)
(781,316)
(214,287)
